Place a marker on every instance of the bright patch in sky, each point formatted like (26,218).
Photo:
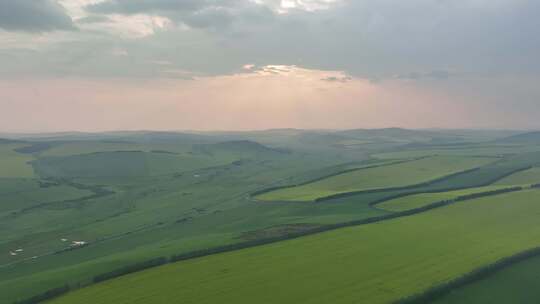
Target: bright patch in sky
(288,63)
(308,5)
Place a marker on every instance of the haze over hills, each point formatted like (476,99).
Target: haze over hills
(529,137)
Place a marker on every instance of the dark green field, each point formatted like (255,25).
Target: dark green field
(515,284)
(135,196)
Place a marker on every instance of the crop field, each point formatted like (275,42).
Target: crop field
(20,194)
(398,175)
(14,164)
(420,200)
(373,263)
(516,284)
(528,177)
(119,164)
(463,150)
(133,197)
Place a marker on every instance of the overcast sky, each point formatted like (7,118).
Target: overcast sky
(93,65)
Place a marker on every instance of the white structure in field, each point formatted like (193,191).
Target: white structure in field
(78,243)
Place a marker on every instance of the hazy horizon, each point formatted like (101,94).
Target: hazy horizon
(68,131)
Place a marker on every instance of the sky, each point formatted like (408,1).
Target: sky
(98,65)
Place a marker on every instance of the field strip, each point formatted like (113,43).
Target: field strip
(405,175)
(270,189)
(424,184)
(413,201)
(430,183)
(478,274)
(448,189)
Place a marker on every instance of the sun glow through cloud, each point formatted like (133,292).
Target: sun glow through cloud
(265,97)
(285,62)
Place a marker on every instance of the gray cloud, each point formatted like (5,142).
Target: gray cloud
(93,19)
(343,79)
(149,6)
(374,39)
(209,14)
(212,17)
(486,51)
(435,74)
(33,16)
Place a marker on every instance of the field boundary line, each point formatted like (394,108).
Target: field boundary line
(478,274)
(408,187)
(427,184)
(275,188)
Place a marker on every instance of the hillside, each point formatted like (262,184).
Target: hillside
(243,148)
(132,199)
(525,138)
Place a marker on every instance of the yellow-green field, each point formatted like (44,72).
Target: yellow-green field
(13,164)
(376,263)
(527,177)
(420,200)
(398,175)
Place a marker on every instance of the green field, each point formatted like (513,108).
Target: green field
(375,263)
(18,194)
(420,200)
(528,177)
(13,164)
(483,149)
(122,164)
(516,284)
(398,175)
(135,196)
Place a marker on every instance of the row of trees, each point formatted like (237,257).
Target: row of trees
(130,269)
(436,292)
(487,193)
(47,295)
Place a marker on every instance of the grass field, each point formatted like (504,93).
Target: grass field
(420,200)
(18,194)
(122,164)
(516,284)
(528,177)
(137,196)
(398,175)
(163,203)
(472,149)
(13,164)
(374,263)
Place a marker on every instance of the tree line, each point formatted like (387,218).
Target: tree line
(47,295)
(437,292)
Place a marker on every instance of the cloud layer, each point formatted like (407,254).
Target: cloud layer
(33,16)
(466,50)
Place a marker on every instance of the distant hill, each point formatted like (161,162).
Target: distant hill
(120,136)
(239,147)
(400,135)
(320,138)
(524,138)
(9,141)
(156,137)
